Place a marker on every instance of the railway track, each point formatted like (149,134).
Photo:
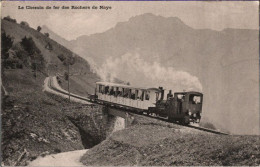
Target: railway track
(66,93)
(189,126)
(159,118)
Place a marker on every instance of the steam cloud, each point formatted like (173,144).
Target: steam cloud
(132,68)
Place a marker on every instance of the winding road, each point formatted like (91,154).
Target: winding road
(71,158)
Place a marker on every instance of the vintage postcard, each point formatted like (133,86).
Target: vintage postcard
(130,83)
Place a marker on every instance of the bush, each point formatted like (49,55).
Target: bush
(69,60)
(56,150)
(61,57)
(47,34)
(8,18)
(38,62)
(12,63)
(66,76)
(24,23)
(39,28)
(49,46)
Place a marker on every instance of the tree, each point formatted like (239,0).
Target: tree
(39,28)
(6,44)
(66,76)
(29,46)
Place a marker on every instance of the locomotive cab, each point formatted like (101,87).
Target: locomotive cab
(188,107)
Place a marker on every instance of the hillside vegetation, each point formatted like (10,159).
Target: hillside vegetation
(55,57)
(34,123)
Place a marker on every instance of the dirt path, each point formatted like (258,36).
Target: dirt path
(62,159)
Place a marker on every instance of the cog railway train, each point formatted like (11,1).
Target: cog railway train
(183,107)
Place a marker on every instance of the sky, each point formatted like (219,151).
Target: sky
(72,23)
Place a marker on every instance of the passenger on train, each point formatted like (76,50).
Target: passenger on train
(112,92)
(169,95)
(133,95)
(126,92)
(106,90)
(147,95)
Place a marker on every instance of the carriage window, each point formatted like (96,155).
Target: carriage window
(100,88)
(142,96)
(157,96)
(195,99)
(126,92)
(180,96)
(116,92)
(147,95)
(133,94)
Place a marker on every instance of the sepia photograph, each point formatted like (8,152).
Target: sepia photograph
(130,83)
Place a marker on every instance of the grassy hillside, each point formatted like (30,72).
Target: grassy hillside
(33,120)
(155,143)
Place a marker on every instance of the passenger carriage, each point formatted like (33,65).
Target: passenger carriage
(125,95)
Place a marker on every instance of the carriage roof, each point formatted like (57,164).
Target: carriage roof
(125,86)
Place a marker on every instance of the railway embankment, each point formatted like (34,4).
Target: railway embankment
(150,142)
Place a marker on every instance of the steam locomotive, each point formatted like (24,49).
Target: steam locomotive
(183,107)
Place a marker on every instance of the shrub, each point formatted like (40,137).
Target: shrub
(56,150)
(47,34)
(39,28)
(8,18)
(61,57)
(66,76)
(7,43)
(24,23)
(49,46)
(69,60)
(38,62)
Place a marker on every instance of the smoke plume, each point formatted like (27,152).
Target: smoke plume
(138,72)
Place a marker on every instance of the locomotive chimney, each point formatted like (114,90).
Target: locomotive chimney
(162,93)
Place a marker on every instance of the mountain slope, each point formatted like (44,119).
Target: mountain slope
(55,36)
(36,123)
(225,62)
(54,64)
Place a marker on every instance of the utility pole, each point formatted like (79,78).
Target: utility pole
(69,79)
(70,60)
(35,67)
